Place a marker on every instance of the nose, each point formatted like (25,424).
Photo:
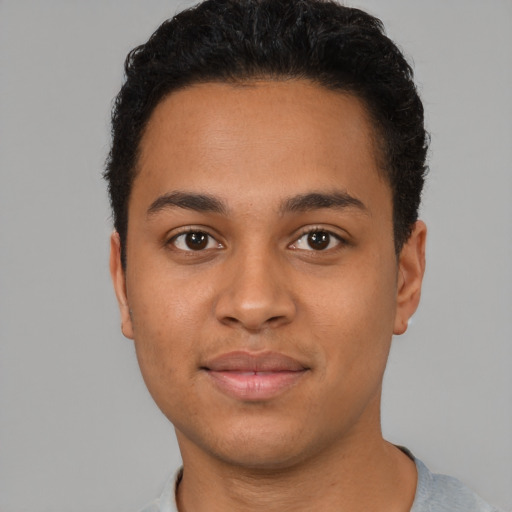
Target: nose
(255,294)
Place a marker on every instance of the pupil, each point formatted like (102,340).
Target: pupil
(196,241)
(319,240)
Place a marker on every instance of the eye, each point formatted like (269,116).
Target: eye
(317,240)
(195,241)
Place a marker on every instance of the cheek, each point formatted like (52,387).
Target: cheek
(164,303)
(353,318)
(168,319)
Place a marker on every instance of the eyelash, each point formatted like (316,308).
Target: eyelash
(339,241)
(196,231)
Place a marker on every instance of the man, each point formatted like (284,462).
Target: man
(265,175)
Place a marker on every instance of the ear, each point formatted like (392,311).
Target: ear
(411,267)
(119,282)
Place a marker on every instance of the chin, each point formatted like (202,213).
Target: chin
(269,446)
(261,456)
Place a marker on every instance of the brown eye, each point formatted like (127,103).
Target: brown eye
(195,241)
(319,240)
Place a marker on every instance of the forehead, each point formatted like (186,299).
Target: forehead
(232,138)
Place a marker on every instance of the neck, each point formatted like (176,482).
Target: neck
(366,474)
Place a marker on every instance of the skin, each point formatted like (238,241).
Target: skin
(258,286)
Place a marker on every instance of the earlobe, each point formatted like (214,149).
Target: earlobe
(119,281)
(411,268)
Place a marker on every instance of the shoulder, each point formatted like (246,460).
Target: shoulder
(442,493)
(154,506)
(167,501)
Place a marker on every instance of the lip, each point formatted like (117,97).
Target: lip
(254,377)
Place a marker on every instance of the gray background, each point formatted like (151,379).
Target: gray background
(78,430)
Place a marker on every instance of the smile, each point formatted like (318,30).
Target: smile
(254,377)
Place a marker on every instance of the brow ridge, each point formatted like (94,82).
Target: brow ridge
(299,203)
(319,200)
(188,201)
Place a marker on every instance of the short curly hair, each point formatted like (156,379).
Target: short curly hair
(340,48)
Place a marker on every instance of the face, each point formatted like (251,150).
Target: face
(262,287)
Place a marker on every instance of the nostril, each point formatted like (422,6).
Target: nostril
(253,301)
(253,324)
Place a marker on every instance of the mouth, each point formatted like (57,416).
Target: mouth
(254,377)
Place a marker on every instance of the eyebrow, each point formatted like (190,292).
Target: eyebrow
(295,204)
(319,200)
(188,201)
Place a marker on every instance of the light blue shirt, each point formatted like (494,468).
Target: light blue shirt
(434,493)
